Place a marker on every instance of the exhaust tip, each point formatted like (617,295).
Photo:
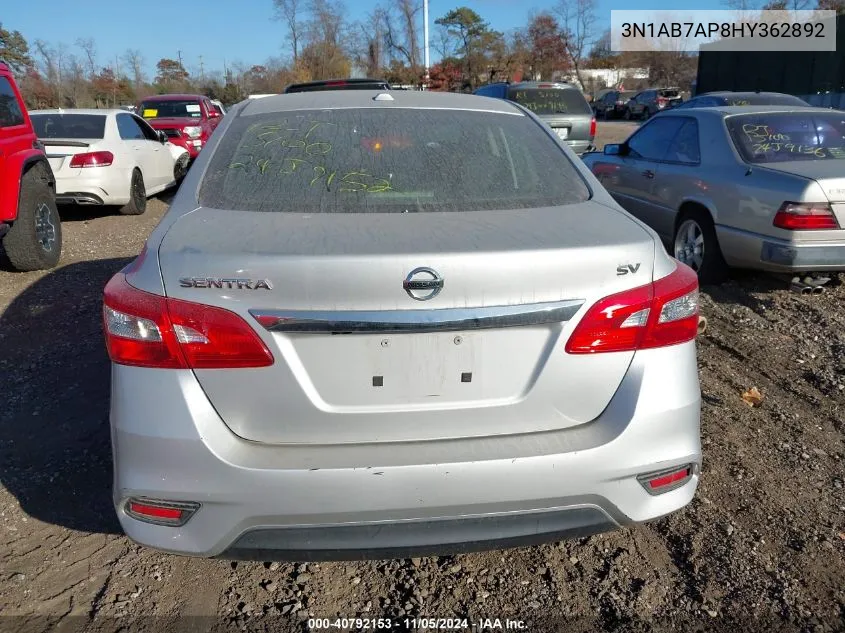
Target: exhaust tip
(702,325)
(818,290)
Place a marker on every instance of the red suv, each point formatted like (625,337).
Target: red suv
(187,120)
(29,221)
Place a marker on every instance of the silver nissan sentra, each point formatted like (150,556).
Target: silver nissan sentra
(388,324)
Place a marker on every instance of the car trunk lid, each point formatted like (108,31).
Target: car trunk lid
(314,279)
(827,173)
(61,151)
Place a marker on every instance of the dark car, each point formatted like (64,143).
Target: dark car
(562,106)
(726,98)
(613,104)
(649,102)
(339,84)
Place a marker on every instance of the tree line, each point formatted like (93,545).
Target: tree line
(321,41)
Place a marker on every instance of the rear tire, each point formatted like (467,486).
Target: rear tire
(34,241)
(696,245)
(137,195)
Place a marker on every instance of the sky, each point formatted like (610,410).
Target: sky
(218,32)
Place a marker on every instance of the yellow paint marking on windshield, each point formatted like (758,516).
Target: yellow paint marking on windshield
(313,150)
(150,113)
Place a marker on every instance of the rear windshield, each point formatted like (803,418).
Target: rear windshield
(69,126)
(788,136)
(162,109)
(755,99)
(388,161)
(551,100)
(669,94)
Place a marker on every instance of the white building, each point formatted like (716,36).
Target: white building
(598,78)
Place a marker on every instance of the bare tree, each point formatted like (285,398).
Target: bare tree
(51,64)
(290,12)
(328,40)
(578,19)
(444,43)
(89,47)
(135,61)
(78,87)
(367,42)
(401,33)
(741,5)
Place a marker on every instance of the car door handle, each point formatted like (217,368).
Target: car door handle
(648,173)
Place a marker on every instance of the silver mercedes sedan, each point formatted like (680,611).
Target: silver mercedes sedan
(383,324)
(759,187)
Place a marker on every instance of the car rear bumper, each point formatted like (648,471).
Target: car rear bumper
(405,539)
(94,186)
(580,147)
(752,250)
(343,502)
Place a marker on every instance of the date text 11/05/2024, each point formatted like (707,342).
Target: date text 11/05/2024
(416,624)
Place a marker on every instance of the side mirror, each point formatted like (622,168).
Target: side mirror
(162,137)
(613,149)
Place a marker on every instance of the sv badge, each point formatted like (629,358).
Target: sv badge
(627,268)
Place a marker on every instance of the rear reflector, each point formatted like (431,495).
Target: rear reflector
(659,314)
(804,216)
(92,159)
(666,480)
(147,330)
(161,512)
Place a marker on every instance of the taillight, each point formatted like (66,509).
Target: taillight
(146,330)
(593,127)
(664,481)
(802,216)
(662,313)
(173,513)
(92,159)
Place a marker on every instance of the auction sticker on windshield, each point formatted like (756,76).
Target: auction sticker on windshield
(150,113)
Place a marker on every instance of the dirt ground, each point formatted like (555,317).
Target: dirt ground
(762,546)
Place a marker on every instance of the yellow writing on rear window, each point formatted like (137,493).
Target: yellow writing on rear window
(150,113)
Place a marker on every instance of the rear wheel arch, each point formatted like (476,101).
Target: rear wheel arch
(690,207)
(137,203)
(713,268)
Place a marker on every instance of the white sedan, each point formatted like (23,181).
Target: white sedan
(108,157)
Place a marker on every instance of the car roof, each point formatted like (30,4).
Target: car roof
(4,67)
(103,111)
(754,109)
(173,97)
(545,84)
(741,93)
(341,99)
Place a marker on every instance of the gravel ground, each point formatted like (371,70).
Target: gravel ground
(762,546)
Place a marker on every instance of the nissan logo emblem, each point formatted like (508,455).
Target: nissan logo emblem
(423,284)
